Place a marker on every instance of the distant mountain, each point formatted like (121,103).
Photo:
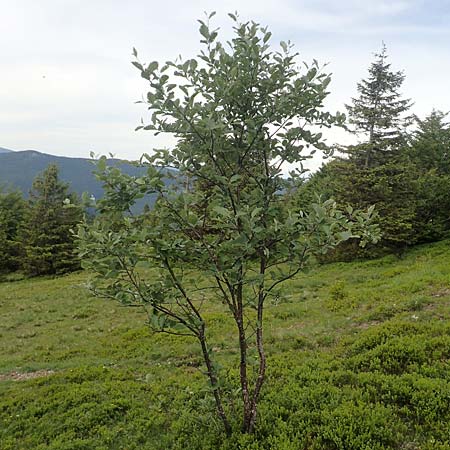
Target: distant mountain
(18,170)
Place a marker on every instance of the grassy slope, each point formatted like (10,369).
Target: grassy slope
(359,359)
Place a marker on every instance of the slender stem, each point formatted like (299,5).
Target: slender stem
(262,356)
(213,381)
(239,319)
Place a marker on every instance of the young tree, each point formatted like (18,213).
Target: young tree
(239,113)
(12,210)
(379,113)
(48,241)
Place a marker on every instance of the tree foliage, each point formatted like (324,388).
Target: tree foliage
(392,188)
(239,111)
(430,151)
(48,241)
(430,143)
(378,170)
(12,211)
(405,173)
(379,113)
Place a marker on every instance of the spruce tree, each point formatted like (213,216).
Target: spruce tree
(49,247)
(377,171)
(12,209)
(379,112)
(430,151)
(430,146)
(392,188)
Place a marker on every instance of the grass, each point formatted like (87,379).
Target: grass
(358,359)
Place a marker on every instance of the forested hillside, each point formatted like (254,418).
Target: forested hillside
(19,168)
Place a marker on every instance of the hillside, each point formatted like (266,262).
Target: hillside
(358,359)
(18,169)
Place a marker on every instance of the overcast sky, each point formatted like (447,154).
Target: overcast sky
(67,85)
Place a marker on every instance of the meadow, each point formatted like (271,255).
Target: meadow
(358,359)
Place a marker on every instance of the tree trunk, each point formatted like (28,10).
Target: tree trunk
(262,356)
(213,380)
(243,375)
(259,381)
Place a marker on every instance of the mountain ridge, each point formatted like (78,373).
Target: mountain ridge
(19,168)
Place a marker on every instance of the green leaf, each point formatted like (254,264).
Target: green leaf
(267,36)
(138,65)
(255,212)
(204,31)
(152,66)
(345,235)
(222,211)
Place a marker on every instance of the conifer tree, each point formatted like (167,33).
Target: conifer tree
(377,170)
(430,151)
(49,247)
(392,189)
(12,209)
(379,112)
(430,146)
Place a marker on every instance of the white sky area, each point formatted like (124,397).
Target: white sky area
(67,86)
